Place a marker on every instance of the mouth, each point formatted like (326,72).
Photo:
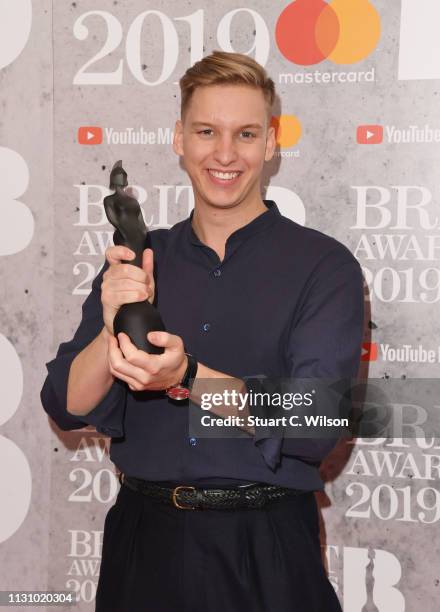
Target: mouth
(224,178)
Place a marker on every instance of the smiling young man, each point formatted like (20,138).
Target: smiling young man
(213,524)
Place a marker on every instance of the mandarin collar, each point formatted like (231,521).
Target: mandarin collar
(255,226)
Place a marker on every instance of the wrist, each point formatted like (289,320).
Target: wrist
(182,389)
(102,339)
(182,369)
(104,333)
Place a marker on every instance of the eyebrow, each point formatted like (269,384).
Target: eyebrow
(248,125)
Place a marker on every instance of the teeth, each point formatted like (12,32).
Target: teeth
(224,175)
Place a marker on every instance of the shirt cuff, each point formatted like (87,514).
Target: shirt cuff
(309,450)
(269,440)
(107,417)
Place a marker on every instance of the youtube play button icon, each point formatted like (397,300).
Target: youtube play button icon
(369,134)
(369,351)
(90,135)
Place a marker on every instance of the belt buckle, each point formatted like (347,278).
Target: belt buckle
(176,492)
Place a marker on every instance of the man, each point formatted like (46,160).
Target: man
(244,292)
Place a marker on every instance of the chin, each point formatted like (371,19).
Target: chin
(223,201)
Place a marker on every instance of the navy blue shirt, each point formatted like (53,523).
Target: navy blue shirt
(286,301)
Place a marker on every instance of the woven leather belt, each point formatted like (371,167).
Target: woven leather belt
(184,497)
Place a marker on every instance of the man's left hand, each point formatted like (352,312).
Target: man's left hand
(143,371)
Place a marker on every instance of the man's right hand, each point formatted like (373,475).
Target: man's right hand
(124,283)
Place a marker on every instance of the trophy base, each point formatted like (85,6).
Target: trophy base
(136,320)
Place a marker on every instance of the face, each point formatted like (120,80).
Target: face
(224,140)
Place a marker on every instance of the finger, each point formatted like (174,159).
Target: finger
(115,355)
(117,285)
(148,261)
(166,340)
(117,298)
(134,384)
(126,346)
(148,267)
(115,254)
(119,367)
(129,271)
(142,364)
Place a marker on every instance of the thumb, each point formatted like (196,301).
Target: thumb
(160,338)
(148,261)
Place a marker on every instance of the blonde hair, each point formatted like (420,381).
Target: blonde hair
(222,68)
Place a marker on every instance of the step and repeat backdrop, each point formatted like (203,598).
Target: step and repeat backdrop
(85,83)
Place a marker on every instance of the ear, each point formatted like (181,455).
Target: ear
(271,143)
(178,138)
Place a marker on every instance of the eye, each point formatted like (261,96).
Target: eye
(251,134)
(204,131)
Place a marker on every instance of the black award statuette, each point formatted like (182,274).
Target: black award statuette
(124,213)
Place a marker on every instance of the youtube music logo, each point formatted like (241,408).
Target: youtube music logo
(369,351)
(89,135)
(369,134)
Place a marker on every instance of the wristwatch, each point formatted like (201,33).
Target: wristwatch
(182,390)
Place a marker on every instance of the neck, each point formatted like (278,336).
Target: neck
(213,226)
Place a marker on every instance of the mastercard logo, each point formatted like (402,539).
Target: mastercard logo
(343,31)
(287,130)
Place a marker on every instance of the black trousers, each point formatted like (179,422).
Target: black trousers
(157,558)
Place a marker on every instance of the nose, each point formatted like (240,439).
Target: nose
(225,150)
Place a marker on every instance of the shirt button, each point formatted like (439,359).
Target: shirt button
(206,327)
(193,441)
(217,272)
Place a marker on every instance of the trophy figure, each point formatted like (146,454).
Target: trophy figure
(124,213)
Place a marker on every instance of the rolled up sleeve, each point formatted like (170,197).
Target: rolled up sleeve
(107,416)
(324,342)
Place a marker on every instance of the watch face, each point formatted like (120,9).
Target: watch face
(178,393)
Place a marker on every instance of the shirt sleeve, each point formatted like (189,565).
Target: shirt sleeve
(108,415)
(324,342)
